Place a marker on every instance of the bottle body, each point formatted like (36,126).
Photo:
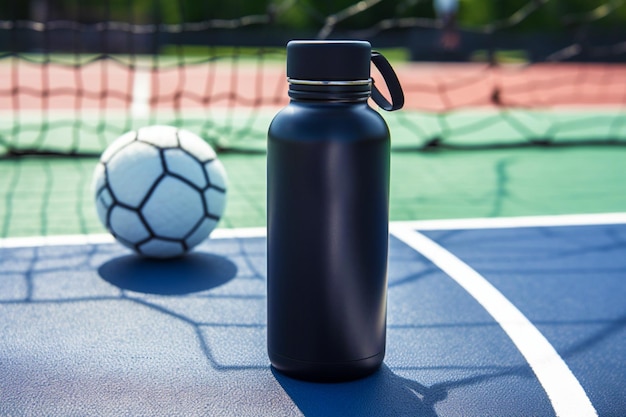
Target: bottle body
(328,212)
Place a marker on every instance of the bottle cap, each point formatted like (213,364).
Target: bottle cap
(329,60)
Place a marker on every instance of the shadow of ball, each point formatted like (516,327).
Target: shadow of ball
(194,272)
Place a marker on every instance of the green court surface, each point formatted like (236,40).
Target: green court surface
(245,128)
(52,196)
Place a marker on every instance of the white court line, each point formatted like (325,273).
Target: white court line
(74,240)
(567,396)
(142,90)
(514,222)
(446,224)
(58,240)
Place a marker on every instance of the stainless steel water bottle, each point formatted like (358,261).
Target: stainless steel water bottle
(328,215)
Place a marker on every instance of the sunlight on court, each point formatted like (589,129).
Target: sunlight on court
(507,208)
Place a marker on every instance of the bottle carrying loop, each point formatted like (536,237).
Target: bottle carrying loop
(392,82)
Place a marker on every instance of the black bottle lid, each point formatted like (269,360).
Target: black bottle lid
(329,60)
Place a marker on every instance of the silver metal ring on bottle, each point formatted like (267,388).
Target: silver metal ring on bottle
(331,83)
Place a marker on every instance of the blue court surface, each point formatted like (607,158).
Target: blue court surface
(493,317)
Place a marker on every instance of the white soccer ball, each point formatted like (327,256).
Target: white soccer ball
(160,190)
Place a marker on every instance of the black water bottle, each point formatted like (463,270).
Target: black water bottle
(328,215)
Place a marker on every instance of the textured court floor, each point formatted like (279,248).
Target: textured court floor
(496,317)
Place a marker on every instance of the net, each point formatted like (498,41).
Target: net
(73,77)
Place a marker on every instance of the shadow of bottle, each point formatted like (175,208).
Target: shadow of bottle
(381,394)
(188,274)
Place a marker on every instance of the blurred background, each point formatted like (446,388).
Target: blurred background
(513,107)
(535,30)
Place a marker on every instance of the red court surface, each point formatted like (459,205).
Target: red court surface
(428,86)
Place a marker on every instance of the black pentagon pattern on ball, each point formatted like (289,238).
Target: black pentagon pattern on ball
(166,172)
